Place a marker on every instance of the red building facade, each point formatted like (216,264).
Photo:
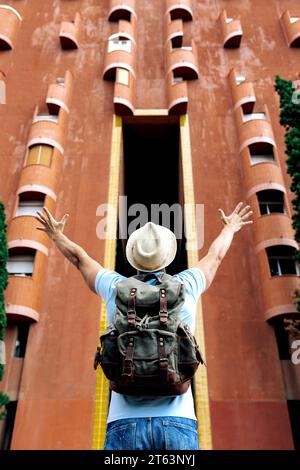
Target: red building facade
(161,102)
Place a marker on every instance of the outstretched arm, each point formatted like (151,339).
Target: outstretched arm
(73,252)
(218,249)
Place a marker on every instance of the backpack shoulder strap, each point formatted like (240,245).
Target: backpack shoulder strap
(160,277)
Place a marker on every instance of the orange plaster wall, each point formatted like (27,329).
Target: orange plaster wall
(246,391)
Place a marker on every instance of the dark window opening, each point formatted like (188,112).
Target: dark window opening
(284,342)
(125,15)
(281,260)
(151,181)
(294,414)
(21,340)
(21,261)
(271,201)
(30,202)
(261,152)
(8,425)
(282,337)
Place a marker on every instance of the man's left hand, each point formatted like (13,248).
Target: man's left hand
(238,218)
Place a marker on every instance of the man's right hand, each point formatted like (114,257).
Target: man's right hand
(51,226)
(73,252)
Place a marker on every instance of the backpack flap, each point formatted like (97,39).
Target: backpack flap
(148,295)
(150,352)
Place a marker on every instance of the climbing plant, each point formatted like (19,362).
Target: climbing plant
(4,399)
(290,119)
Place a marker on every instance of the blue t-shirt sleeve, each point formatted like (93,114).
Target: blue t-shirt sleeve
(194,281)
(105,282)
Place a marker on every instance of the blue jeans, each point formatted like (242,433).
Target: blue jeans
(161,433)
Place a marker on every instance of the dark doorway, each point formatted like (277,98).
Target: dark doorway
(151,179)
(8,425)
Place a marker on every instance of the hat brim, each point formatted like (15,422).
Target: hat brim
(169,242)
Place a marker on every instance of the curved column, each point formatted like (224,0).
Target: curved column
(121,10)
(243,94)
(231,31)
(179,9)
(10,21)
(70,32)
(59,94)
(291,27)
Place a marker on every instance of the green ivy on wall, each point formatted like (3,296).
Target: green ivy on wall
(290,119)
(4,399)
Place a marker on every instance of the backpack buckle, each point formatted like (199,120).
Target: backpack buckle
(131,314)
(163,311)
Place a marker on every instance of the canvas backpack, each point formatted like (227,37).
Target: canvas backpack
(148,351)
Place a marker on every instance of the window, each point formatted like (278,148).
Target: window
(252,116)
(21,261)
(122,76)
(294,19)
(271,202)
(177,80)
(281,260)
(261,152)
(117,44)
(60,81)
(21,341)
(262,159)
(46,117)
(240,79)
(183,48)
(40,155)
(29,203)
(229,20)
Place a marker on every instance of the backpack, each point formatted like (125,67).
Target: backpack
(148,351)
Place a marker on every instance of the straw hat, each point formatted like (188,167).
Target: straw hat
(151,247)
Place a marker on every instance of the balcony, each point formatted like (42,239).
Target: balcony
(231,30)
(59,94)
(121,10)
(183,62)
(177,95)
(48,129)
(10,21)
(22,296)
(40,177)
(179,9)
(269,226)
(291,27)
(124,93)
(261,175)
(278,291)
(174,32)
(243,93)
(23,229)
(255,129)
(70,32)
(120,54)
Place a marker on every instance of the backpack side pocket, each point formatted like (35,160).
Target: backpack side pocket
(108,354)
(189,356)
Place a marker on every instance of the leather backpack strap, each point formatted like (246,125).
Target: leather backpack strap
(163,361)
(146,276)
(127,372)
(131,313)
(163,311)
